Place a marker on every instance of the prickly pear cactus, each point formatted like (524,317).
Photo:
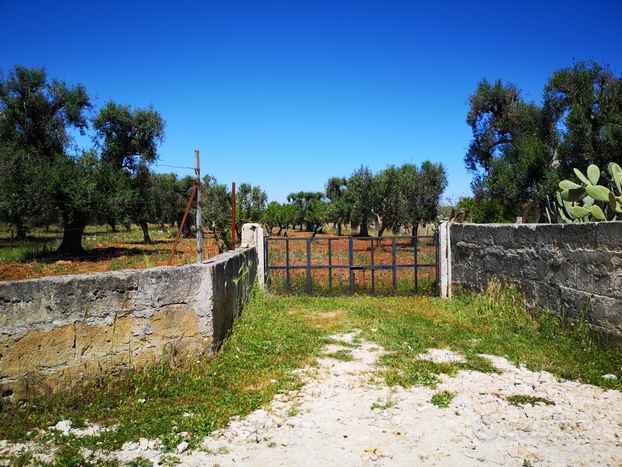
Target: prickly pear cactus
(589,201)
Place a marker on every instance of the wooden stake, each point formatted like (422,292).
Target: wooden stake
(197,181)
(233,215)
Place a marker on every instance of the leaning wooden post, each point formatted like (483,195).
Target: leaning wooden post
(181,226)
(197,181)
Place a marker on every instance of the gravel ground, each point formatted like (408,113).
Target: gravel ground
(343,417)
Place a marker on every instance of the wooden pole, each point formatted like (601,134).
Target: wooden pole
(233,215)
(181,226)
(197,181)
(527,211)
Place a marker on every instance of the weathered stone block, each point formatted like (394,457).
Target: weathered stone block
(504,238)
(559,264)
(57,331)
(609,235)
(581,235)
(548,236)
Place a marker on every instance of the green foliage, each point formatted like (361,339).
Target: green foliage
(216,211)
(340,208)
(169,461)
(281,215)
(24,458)
(37,113)
(360,194)
(342,354)
(588,201)
(316,215)
(393,198)
(520,150)
(520,399)
(250,204)
(128,139)
(173,194)
(421,193)
(47,179)
(442,399)
(484,210)
(382,406)
(35,145)
(303,202)
(139,462)
(586,102)
(388,199)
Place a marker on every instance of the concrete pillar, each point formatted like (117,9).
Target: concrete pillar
(252,235)
(444,260)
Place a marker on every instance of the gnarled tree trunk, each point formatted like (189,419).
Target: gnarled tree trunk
(143,225)
(72,239)
(364,232)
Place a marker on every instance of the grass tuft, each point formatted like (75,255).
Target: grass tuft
(343,355)
(442,399)
(517,400)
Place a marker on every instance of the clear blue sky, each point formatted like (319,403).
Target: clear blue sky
(285,94)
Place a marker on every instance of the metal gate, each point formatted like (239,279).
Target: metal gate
(355,265)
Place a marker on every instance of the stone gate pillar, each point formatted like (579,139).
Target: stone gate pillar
(252,235)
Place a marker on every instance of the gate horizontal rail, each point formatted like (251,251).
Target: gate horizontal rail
(274,244)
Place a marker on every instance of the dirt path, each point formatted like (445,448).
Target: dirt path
(343,417)
(331,421)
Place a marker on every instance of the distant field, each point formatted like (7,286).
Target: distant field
(107,251)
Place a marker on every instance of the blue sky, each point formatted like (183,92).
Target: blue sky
(285,94)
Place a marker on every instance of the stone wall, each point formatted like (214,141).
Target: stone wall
(56,332)
(556,265)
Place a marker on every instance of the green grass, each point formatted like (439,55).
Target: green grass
(41,245)
(442,399)
(119,250)
(518,399)
(405,284)
(343,355)
(382,406)
(275,335)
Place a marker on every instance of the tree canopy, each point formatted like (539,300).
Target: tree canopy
(45,178)
(128,139)
(36,152)
(521,150)
(394,198)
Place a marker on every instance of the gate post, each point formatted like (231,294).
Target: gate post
(444,259)
(252,235)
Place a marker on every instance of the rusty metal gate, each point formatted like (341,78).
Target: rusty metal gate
(356,265)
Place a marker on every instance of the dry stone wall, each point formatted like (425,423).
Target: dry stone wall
(56,332)
(558,266)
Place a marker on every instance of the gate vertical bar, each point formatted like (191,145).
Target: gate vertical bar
(394,265)
(373,285)
(351,264)
(438,275)
(287,264)
(308,266)
(266,262)
(197,179)
(330,269)
(416,267)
